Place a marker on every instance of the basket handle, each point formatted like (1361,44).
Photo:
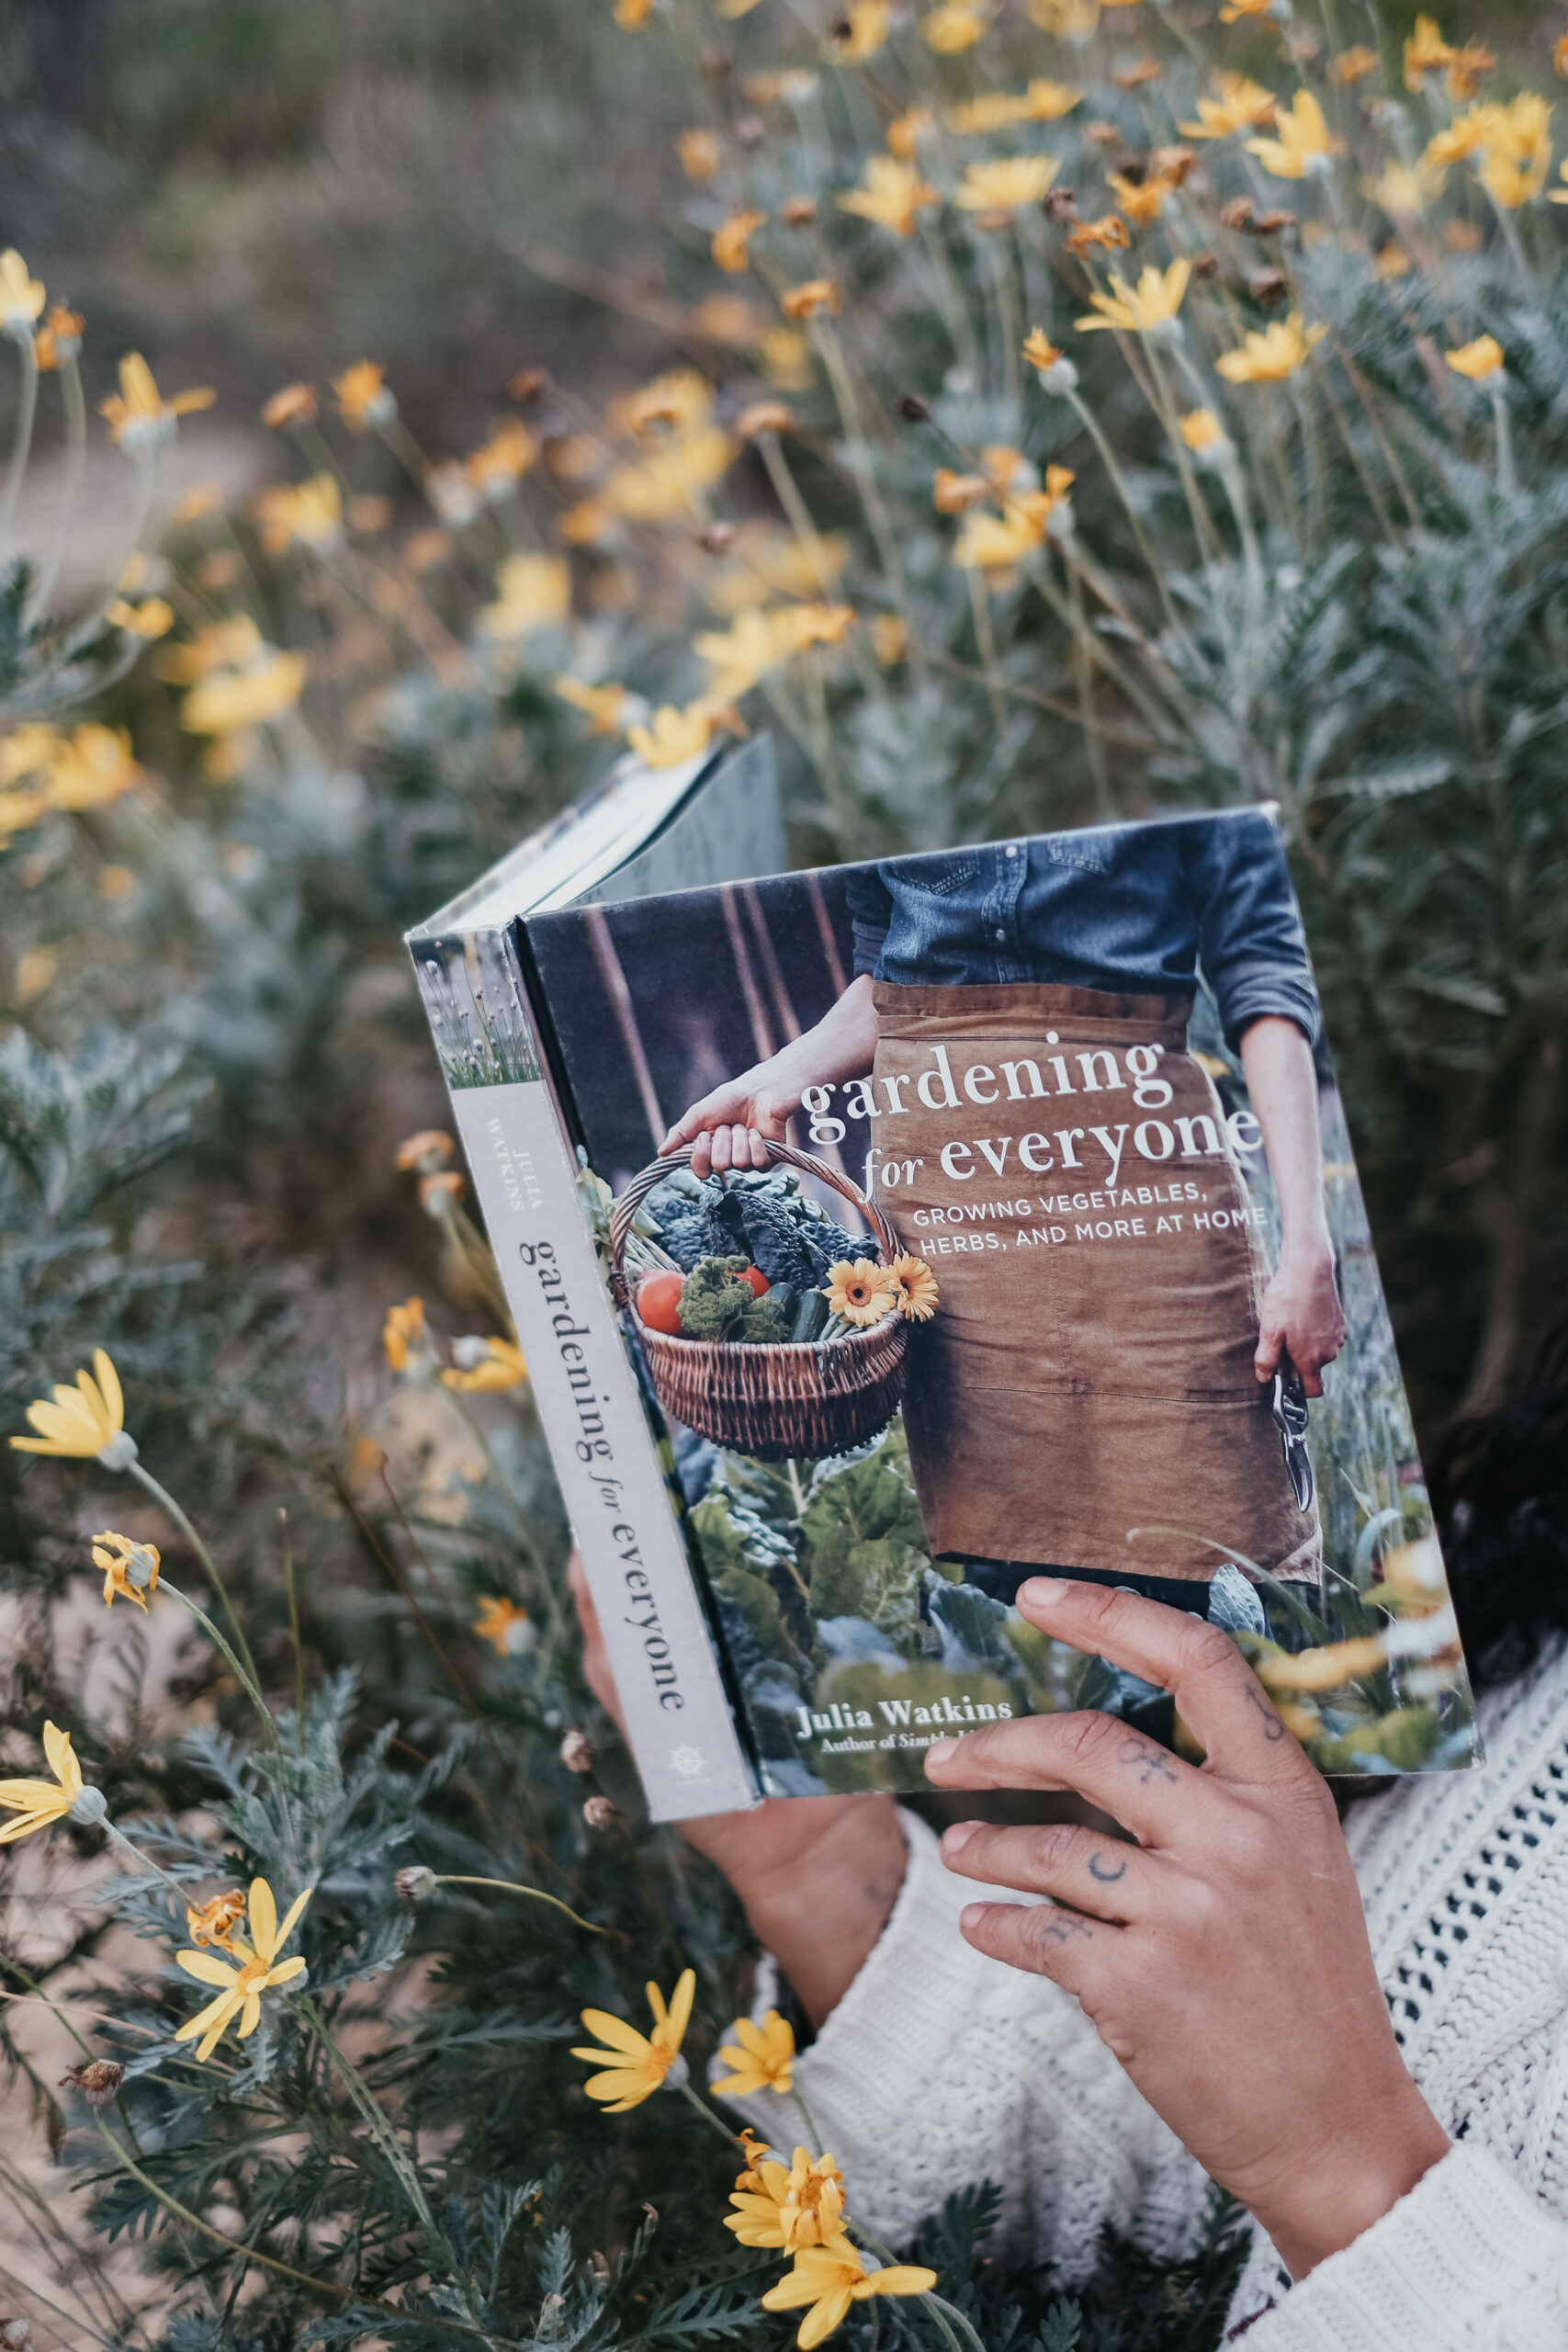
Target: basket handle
(638,1190)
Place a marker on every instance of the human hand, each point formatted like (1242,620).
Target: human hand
(1224,1959)
(733,1127)
(817,1875)
(1301,1316)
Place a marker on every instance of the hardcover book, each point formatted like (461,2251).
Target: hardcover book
(879,1236)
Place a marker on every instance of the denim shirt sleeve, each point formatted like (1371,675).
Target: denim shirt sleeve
(871,913)
(1250,939)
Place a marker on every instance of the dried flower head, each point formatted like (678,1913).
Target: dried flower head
(600,1814)
(577,1752)
(214,1922)
(810,299)
(98,2080)
(414,1884)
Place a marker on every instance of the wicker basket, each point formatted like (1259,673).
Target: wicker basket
(799,1401)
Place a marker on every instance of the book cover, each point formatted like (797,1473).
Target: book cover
(1026,1162)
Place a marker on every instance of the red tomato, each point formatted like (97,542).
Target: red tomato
(658,1303)
(758,1280)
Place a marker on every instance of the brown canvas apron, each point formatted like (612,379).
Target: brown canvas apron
(1062,1162)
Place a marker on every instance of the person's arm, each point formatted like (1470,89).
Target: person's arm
(1300,1315)
(733,1127)
(1223,1959)
(818,1876)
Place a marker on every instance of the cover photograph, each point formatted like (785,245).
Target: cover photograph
(986,1212)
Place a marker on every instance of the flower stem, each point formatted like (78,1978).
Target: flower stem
(160,1494)
(76,464)
(512,1887)
(940,2306)
(204,1621)
(706,2112)
(812,2133)
(22,441)
(380,2129)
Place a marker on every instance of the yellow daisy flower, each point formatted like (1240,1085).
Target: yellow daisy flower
(1242,104)
(535,593)
(1270,357)
(402,1334)
(1007,184)
(362,399)
(915,1287)
(485,1366)
(138,413)
(131,1569)
(21,295)
(892,195)
(41,1804)
(861,1292)
(762,2056)
(1149,306)
(1478,360)
(636,2063)
(504,1626)
(259,1971)
(84,1423)
(831,2276)
(955,26)
(1305,143)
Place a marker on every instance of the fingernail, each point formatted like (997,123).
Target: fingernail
(955,1837)
(1045,1592)
(939,1752)
(971,1916)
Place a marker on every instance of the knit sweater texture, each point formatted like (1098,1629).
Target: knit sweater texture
(940,2067)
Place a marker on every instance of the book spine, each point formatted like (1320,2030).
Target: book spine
(678,1717)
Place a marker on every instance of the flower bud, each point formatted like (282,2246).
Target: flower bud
(119,1452)
(913,409)
(600,1814)
(89,1809)
(578,1751)
(98,2082)
(1060,378)
(415,1885)
(16,2335)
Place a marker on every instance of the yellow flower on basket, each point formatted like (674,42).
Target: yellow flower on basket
(486,1367)
(762,2056)
(38,1805)
(1147,309)
(84,1423)
(1478,360)
(861,1292)
(1270,357)
(362,399)
(138,413)
(259,1971)
(93,768)
(228,704)
(1242,104)
(214,1922)
(131,1569)
(1305,144)
(915,1286)
(21,295)
(507,1629)
(636,2063)
(1008,184)
(535,593)
(954,27)
(830,2277)
(892,195)
(732,238)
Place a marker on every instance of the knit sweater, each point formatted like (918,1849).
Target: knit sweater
(940,2067)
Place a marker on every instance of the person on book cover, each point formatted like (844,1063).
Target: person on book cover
(1111,1351)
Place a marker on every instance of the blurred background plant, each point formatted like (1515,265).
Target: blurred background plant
(1032,415)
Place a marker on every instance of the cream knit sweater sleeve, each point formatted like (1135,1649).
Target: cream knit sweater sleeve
(941,2068)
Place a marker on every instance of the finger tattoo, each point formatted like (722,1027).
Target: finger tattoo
(1060,1927)
(1153,1763)
(1273,1727)
(1102,1867)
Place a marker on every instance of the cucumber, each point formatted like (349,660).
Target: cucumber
(812,1316)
